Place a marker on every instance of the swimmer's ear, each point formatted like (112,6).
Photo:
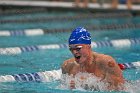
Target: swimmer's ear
(88,46)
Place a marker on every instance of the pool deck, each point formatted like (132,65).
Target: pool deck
(54,4)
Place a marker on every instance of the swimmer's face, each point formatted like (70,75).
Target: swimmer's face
(80,52)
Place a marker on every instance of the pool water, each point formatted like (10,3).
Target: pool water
(52,59)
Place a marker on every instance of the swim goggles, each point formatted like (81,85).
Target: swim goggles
(77,48)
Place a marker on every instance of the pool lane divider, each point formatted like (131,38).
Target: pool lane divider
(27,32)
(45,76)
(16,11)
(68,17)
(34,32)
(48,76)
(119,43)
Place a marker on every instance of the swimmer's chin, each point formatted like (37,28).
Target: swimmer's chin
(79,60)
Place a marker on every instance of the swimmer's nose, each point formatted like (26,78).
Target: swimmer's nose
(74,52)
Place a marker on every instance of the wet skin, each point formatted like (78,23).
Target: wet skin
(100,65)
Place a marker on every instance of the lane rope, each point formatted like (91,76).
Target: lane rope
(34,32)
(48,76)
(67,17)
(119,43)
(27,32)
(15,11)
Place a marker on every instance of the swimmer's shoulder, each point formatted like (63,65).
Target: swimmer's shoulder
(102,56)
(69,61)
(67,65)
(104,59)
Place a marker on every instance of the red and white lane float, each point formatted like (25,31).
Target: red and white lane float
(48,76)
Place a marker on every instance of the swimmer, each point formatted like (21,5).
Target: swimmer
(87,61)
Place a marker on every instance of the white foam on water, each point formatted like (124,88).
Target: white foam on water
(83,81)
(89,82)
(132,87)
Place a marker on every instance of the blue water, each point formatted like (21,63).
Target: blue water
(42,60)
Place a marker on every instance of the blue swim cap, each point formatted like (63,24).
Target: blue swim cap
(80,36)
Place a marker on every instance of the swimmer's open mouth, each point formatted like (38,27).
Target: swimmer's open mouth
(77,57)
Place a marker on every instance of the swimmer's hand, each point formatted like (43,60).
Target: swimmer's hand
(72,84)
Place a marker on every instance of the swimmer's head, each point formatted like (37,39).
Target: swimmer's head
(80,36)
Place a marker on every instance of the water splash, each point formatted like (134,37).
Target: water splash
(133,86)
(89,82)
(83,81)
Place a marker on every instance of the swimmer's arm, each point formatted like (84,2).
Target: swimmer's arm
(113,73)
(66,66)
